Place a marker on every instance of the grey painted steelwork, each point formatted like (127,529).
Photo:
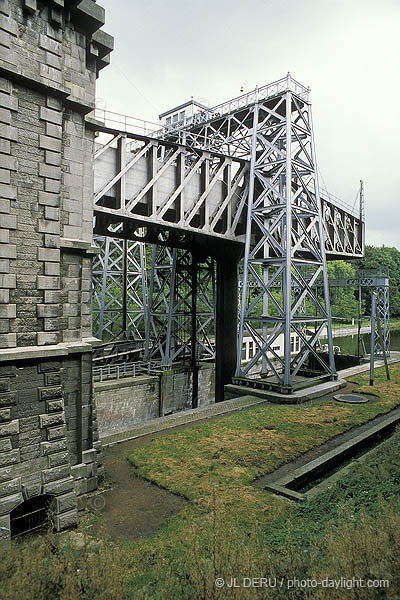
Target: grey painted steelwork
(284,214)
(168,188)
(373,279)
(238,174)
(181,323)
(119,289)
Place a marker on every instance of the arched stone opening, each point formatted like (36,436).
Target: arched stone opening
(31,516)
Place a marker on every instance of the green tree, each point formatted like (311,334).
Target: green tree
(386,260)
(344,300)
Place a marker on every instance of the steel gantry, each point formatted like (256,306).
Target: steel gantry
(240,176)
(379,282)
(285,241)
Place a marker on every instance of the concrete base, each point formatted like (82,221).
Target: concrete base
(298,397)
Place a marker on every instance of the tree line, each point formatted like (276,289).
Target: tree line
(344,301)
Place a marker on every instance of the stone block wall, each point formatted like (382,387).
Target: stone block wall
(125,403)
(51,52)
(177,388)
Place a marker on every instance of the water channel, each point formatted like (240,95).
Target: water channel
(348,343)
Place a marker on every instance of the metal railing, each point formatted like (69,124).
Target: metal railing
(352,210)
(133,369)
(114,120)
(263,93)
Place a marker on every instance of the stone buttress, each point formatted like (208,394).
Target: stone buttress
(51,52)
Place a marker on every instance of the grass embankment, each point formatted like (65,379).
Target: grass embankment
(229,528)
(394,325)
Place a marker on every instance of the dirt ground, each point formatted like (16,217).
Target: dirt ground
(131,507)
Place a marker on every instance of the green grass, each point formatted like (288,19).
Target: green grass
(362,489)
(394,325)
(231,452)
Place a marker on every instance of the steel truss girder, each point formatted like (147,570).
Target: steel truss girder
(158,185)
(181,324)
(227,129)
(119,288)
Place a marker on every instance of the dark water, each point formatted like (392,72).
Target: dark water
(348,343)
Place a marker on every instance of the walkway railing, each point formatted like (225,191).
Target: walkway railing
(113,120)
(133,369)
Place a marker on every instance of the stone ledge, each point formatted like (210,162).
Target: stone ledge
(183,417)
(114,384)
(298,397)
(32,352)
(89,15)
(104,41)
(78,246)
(40,84)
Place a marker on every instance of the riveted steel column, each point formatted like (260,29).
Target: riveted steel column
(248,238)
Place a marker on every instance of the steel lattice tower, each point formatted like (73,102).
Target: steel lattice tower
(284,218)
(382,312)
(285,238)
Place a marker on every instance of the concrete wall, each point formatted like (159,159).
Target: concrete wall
(128,402)
(50,55)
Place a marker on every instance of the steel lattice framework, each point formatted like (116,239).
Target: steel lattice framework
(119,288)
(243,172)
(285,218)
(372,279)
(181,325)
(285,239)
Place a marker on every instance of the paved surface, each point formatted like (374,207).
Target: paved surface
(342,331)
(394,358)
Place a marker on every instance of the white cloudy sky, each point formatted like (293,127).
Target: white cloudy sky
(347,51)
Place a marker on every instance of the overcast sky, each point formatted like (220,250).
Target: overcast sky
(347,51)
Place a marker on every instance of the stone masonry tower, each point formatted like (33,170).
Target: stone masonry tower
(51,52)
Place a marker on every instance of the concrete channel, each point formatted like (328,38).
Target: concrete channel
(303,482)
